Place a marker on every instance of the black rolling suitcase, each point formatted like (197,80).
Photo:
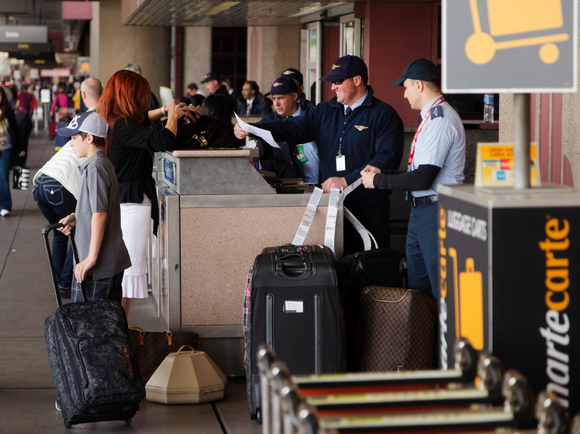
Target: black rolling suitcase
(91,358)
(295,308)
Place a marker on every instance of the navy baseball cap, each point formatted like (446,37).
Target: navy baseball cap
(420,69)
(210,76)
(295,74)
(88,122)
(283,85)
(347,67)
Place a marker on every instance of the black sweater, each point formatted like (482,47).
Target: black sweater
(130,150)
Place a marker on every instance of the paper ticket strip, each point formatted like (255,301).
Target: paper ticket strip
(308,217)
(311,404)
(330,231)
(335,201)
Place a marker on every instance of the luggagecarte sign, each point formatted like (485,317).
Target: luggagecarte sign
(521,307)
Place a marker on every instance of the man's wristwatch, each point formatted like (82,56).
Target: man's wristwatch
(163,109)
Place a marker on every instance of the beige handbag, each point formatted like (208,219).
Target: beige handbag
(186,377)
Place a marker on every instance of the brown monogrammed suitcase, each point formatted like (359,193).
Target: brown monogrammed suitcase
(396,330)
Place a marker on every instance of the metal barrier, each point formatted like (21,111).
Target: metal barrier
(471,396)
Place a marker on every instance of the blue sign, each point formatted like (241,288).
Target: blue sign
(169,171)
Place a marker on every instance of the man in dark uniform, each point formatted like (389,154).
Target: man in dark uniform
(291,160)
(213,86)
(437,158)
(352,130)
(297,76)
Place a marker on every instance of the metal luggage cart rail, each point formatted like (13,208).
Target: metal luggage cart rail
(459,406)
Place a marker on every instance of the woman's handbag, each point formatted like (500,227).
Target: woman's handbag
(151,347)
(186,377)
(205,132)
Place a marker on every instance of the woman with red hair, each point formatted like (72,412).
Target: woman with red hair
(130,148)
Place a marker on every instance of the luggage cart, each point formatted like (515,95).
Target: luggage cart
(513,17)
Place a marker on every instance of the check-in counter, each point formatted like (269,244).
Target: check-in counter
(216,214)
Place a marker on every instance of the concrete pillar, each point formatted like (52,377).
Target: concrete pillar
(196,55)
(270,51)
(119,45)
(94,42)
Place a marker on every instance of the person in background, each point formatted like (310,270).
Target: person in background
(216,106)
(60,99)
(135,67)
(252,102)
(437,158)
(196,101)
(352,130)
(9,150)
(213,86)
(76,99)
(24,108)
(123,104)
(227,82)
(291,160)
(297,76)
(56,191)
(190,92)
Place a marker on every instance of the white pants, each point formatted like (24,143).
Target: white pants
(136,225)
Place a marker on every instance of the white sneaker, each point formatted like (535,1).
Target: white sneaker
(4,212)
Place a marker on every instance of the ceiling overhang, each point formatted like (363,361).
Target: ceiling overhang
(218,13)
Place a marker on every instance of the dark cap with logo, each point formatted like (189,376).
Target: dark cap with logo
(347,67)
(293,73)
(283,85)
(210,76)
(420,69)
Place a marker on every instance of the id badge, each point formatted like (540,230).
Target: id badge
(340,163)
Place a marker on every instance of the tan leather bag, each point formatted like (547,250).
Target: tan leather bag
(186,377)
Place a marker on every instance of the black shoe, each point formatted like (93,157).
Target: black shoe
(64,292)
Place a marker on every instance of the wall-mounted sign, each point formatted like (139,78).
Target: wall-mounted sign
(519,46)
(24,34)
(84,66)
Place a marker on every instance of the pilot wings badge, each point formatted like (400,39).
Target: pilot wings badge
(361,127)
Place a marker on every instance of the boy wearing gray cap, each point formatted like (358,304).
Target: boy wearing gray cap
(97,218)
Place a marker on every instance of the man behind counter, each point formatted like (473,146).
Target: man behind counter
(292,160)
(437,158)
(352,130)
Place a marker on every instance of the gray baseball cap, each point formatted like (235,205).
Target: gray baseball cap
(88,122)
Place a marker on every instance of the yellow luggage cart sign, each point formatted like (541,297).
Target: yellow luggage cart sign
(522,46)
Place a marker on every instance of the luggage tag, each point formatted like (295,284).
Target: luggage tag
(340,163)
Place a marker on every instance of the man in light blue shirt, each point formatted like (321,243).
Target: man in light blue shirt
(290,160)
(437,157)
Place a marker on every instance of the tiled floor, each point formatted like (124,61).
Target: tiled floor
(27,391)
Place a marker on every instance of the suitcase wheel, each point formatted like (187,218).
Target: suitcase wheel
(67,424)
(128,421)
(259,416)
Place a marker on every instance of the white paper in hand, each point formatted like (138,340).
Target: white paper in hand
(263,134)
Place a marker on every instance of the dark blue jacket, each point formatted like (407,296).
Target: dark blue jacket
(374,136)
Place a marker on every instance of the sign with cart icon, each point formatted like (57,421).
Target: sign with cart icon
(509,46)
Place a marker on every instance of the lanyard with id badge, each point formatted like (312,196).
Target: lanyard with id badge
(341,159)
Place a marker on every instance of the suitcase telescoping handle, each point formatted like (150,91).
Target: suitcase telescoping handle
(45,231)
